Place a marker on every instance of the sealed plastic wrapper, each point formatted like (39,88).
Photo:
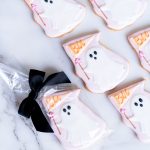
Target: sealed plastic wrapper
(15,80)
(54,106)
(75,125)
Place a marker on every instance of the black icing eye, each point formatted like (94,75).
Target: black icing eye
(95,57)
(64,110)
(140,100)
(91,55)
(136,104)
(51,1)
(46,1)
(68,107)
(95,52)
(141,105)
(68,113)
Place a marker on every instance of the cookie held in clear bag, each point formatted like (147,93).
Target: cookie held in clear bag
(54,106)
(75,125)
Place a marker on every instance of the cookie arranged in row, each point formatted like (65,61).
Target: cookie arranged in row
(100,68)
(119,14)
(133,103)
(58,17)
(140,41)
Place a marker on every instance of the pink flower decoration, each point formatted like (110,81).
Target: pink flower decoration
(141,54)
(77,60)
(34,7)
(51,115)
(122,110)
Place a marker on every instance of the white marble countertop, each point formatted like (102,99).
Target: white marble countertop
(21,38)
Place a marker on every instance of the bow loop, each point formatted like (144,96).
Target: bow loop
(57,78)
(36,79)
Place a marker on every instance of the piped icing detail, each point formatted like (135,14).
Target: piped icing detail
(142,38)
(57,17)
(99,67)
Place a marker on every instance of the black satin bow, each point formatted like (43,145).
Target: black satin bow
(29,107)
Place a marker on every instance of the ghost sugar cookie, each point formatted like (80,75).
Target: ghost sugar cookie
(140,41)
(57,17)
(133,103)
(119,13)
(100,68)
(75,125)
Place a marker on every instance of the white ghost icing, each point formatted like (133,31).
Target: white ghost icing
(122,12)
(140,107)
(62,15)
(105,72)
(79,127)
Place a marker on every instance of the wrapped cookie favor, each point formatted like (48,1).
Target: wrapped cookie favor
(75,125)
(54,106)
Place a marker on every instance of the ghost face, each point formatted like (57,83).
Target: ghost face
(99,56)
(77,124)
(70,113)
(96,56)
(51,4)
(140,107)
(93,54)
(106,72)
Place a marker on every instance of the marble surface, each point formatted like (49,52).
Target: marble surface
(22,39)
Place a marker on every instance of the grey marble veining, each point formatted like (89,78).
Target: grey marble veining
(21,38)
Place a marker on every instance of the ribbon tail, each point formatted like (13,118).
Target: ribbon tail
(40,122)
(25,108)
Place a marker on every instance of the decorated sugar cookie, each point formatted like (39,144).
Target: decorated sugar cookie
(74,124)
(57,17)
(53,105)
(133,103)
(100,68)
(141,43)
(119,13)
